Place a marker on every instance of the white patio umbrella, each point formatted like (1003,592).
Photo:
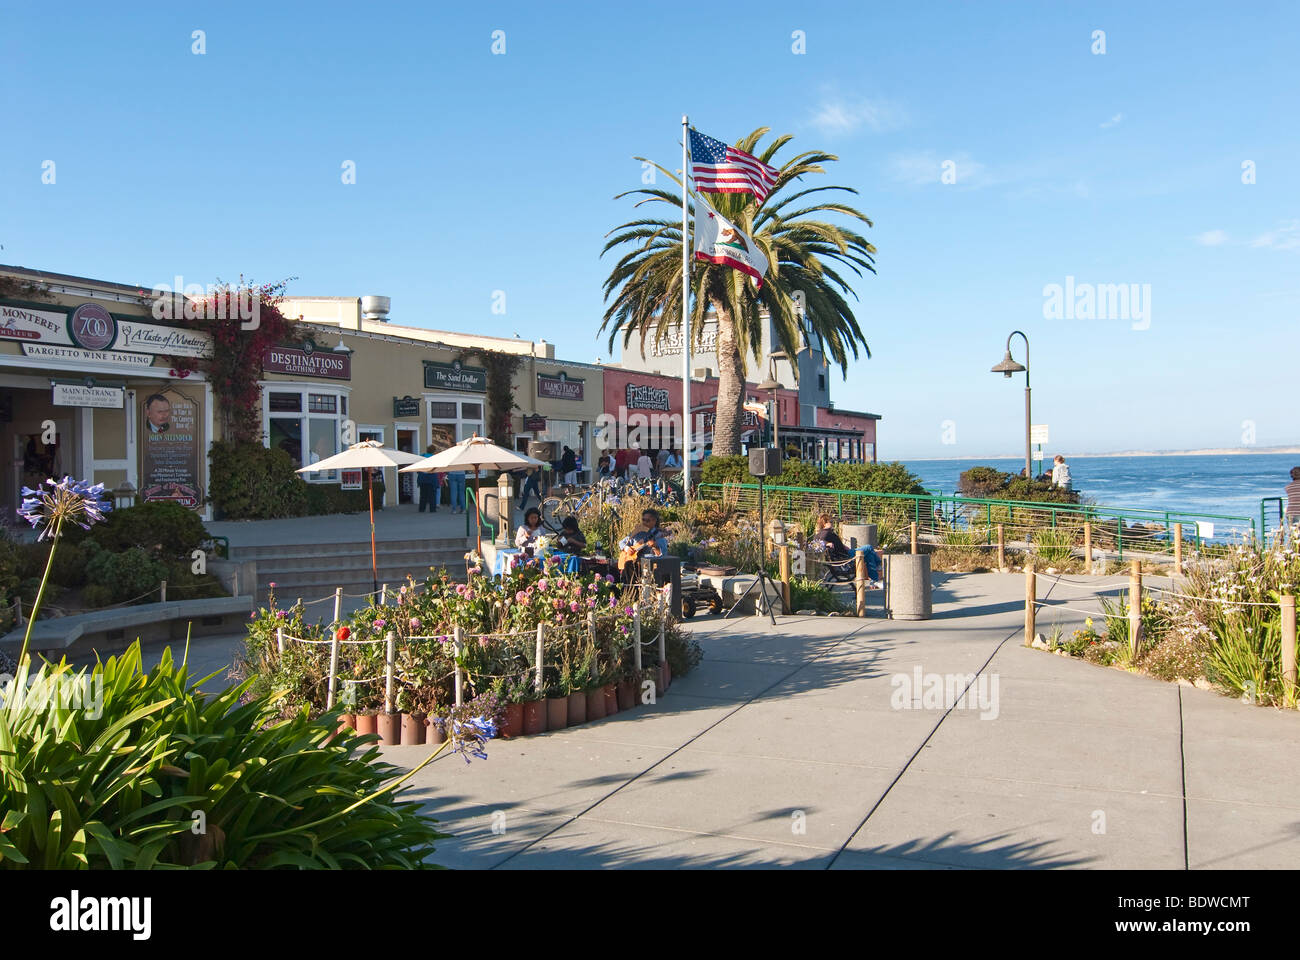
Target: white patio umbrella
(359,456)
(473,453)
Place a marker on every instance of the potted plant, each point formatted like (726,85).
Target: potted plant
(534,703)
(557,702)
(389,728)
(626,689)
(436,724)
(412,732)
(575,676)
(512,717)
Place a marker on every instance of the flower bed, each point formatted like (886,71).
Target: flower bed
(397,666)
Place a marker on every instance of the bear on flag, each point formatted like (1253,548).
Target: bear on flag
(717,240)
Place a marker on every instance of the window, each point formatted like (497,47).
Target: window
(453,420)
(821,381)
(305,423)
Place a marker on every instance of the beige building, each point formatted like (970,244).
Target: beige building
(86,389)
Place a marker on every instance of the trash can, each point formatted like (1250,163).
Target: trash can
(857,535)
(907,586)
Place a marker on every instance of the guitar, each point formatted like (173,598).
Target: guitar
(631,553)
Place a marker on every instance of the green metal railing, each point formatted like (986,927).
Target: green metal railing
(1265,513)
(1118,528)
(486,527)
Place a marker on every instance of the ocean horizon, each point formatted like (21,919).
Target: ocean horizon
(1220,485)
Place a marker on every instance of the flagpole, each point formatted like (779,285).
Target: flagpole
(686,324)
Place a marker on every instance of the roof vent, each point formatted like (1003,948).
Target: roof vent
(376,308)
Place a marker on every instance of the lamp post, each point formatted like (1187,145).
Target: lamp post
(1007,367)
(505,498)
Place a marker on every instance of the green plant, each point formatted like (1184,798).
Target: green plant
(167,530)
(253,482)
(130,575)
(807,593)
(1055,547)
(121,785)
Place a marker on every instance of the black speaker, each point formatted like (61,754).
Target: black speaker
(764,462)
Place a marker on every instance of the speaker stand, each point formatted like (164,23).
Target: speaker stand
(762,581)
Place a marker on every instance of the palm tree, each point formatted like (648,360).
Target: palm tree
(805,256)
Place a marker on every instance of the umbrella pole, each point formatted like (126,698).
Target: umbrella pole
(478,519)
(370,493)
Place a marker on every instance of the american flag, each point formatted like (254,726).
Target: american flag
(719,168)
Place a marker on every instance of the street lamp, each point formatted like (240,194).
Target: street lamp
(773,385)
(1007,367)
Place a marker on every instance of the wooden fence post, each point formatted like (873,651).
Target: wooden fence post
(383,595)
(1087,546)
(162,591)
(785,577)
(1134,607)
(636,635)
(914,536)
(18,607)
(860,581)
(279,640)
(338,604)
(1031,600)
(1288,650)
(541,643)
(388,671)
(1002,548)
(334,668)
(591,635)
(455,641)
(1178,549)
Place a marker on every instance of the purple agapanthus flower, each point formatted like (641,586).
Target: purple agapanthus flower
(53,501)
(469,737)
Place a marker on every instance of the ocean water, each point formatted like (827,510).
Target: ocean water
(1205,484)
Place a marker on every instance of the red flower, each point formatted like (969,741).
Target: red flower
(343,634)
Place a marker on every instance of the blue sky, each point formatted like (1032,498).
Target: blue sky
(479,172)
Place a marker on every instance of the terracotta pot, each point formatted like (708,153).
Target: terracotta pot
(625,691)
(347,721)
(534,717)
(366,723)
(412,729)
(390,729)
(596,703)
(662,685)
(577,708)
(512,724)
(557,713)
(611,699)
(433,732)
(668,675)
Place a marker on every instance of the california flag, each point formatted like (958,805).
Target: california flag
(718,241)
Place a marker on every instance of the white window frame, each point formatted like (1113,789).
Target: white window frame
(304,389)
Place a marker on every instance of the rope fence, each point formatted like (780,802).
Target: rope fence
(1134,591)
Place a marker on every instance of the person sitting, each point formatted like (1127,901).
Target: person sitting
(647,540)
(571,539)
(529,531)
(836,553)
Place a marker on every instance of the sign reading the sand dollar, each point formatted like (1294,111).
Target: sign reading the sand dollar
(171,446)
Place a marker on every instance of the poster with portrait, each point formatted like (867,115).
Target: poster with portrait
(171,448)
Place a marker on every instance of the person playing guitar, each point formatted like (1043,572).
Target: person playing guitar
(646,541)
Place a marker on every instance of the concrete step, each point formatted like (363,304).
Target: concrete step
(414,559)
(334,549)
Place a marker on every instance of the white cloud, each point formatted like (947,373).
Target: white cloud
(837,116)
(1113,121)
(1286,236)
(1212,238)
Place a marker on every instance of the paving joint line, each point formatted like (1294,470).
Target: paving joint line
(730,713)
(930,736)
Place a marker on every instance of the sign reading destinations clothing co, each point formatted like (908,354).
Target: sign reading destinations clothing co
(646,398)
(454,376)
(307,362)
(559,387)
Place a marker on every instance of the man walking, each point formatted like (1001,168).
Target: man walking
(1293,498)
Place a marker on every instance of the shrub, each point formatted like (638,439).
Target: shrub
(96,595)
(807,593)
(167,530)
(986,483)
(253,482)
(874,477)
(116,786)
(129,575)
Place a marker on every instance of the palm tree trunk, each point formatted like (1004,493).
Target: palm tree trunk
(731,386)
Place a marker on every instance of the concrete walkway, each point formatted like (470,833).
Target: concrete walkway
(801,746)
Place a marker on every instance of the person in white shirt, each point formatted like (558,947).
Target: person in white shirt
(528,532)
(644,466)
(1060,473)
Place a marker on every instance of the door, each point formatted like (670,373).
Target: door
(407,438)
